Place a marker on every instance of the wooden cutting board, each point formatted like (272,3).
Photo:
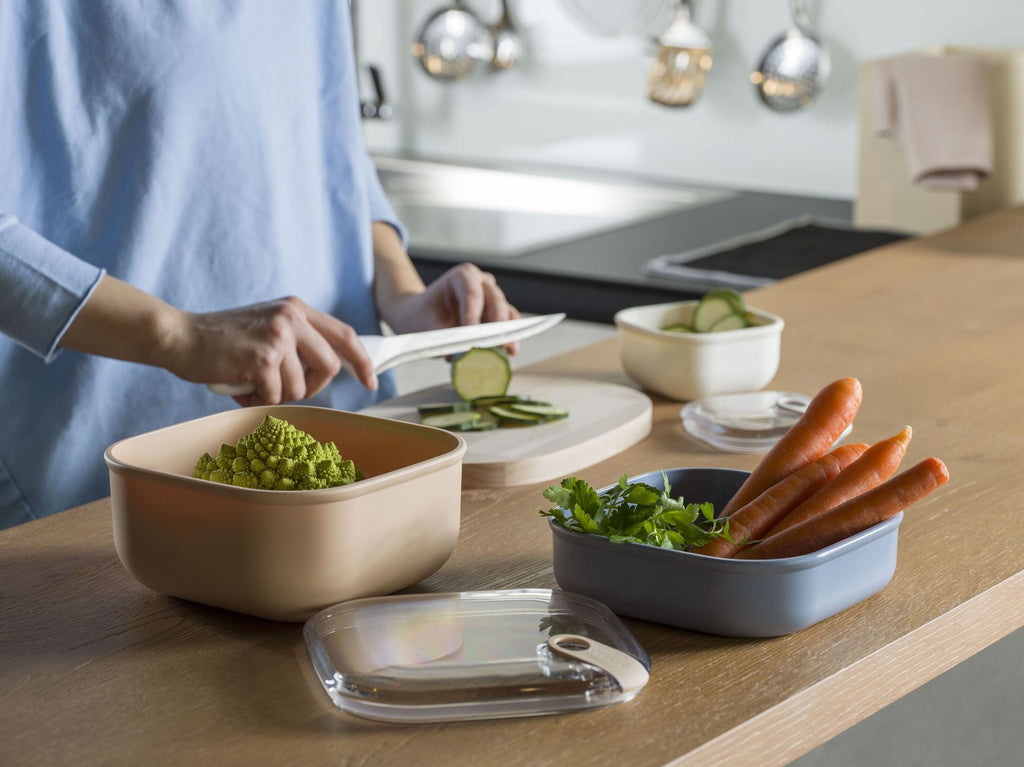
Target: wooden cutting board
(604,419)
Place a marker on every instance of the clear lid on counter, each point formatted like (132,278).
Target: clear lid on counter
(474,655)
(750,422)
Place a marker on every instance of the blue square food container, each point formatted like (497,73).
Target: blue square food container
(728,597)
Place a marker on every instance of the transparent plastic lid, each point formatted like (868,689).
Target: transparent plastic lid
(474,655)
(751,422)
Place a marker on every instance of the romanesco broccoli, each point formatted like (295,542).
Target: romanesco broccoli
(277,456)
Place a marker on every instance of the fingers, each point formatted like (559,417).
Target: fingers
(343,341)
(482,300)
(287,350)
(479,297)
(468,286)
(299,361)
(515,346)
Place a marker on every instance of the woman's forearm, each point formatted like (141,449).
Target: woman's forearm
(395,277)
(286,349)
(125,323)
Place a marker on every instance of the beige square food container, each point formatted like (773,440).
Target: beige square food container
(277,554)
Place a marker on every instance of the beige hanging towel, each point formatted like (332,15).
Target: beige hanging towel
(937,108)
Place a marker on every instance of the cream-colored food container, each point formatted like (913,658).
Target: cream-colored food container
(285,554)
(687,366)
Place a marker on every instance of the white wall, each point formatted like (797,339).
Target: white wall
(577,98)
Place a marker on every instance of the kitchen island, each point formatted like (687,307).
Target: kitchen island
(96,669)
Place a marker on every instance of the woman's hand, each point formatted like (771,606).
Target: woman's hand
(286,349)
(464,295)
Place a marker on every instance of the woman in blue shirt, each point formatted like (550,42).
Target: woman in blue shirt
(185,198)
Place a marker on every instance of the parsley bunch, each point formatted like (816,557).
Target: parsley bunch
(638,513)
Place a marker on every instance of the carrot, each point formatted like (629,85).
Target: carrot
(757,517)
(828,414)
(849,518)
(877,464)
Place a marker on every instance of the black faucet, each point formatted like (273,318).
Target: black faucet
(378,107)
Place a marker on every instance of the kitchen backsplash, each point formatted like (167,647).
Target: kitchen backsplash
(577,99)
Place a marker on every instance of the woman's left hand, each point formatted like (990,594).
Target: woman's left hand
(463,295)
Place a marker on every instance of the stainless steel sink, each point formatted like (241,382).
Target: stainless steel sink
(462,209)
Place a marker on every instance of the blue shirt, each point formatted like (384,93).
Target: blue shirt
(206,151)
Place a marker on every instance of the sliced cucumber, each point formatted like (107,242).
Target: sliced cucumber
(730,322)
(481,373)
(487,422)
(515,416)
(461,421)
(730,295)
(678,328)
(539,408)
(486,413)
(507,399)
(715,306)
(710,310)
(435,408)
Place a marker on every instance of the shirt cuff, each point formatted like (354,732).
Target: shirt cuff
(44,287)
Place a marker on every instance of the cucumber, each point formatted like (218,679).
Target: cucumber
(730,322)
(459,421)
(481,378)
(481,373)
(508,414)
(486,413)
(542,409)
(717,305)
(487,422)
(730,295)
(679,328)
(508,399)
(436,408)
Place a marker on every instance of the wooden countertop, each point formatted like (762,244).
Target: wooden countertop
(97,669)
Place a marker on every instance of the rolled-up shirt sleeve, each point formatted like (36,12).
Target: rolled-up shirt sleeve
(42,288)
(381,208)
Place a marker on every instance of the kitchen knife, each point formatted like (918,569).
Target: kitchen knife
(387,352)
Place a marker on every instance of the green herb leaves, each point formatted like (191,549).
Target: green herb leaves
(638,513)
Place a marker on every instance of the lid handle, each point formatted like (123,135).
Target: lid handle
(630,673)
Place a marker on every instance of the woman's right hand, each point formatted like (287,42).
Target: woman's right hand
(286,349)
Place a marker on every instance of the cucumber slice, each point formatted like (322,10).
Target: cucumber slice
(487,422)
(730,295)
(453,421)
(435,408)
(508,399)
(730,322)
(539,408)
(481,373)
(508,414)
(715,306)
(677,329)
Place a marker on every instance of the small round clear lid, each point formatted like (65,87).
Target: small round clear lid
(474,655)
(750,422)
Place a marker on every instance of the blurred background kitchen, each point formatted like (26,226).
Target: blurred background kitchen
(550,154)
(542,154)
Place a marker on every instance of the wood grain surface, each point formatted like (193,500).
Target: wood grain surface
(96,669)
(604,419)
